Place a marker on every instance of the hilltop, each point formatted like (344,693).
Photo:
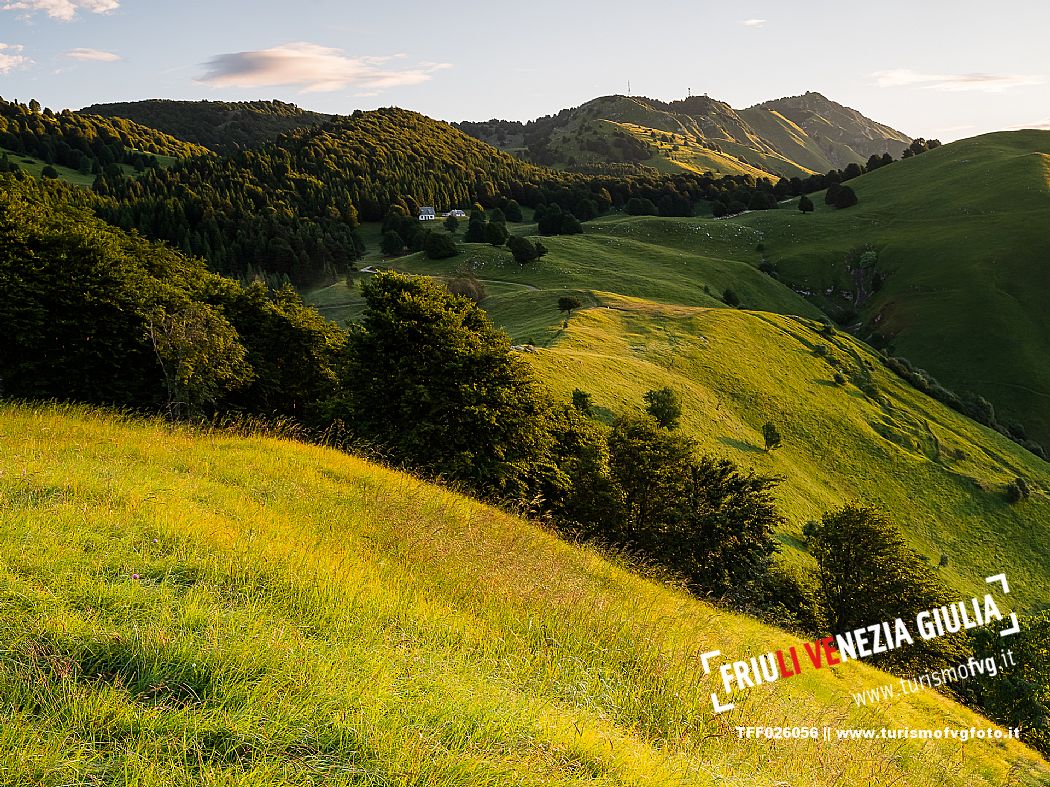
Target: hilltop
(198,608)
(787,137)
(222,126)
(80,146)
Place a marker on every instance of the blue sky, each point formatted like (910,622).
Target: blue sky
(938,69)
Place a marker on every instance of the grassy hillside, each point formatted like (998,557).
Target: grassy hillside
(198,609)
(872,438)
(959,234)
(843,134)
(663,260)
(35,167)
(648,322)
(790,137)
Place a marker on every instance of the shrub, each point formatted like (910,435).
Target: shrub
(467,287)
(496,233)
(568,303)
(392,244)
(439,246)
(664,405)
(771,436)
(640,206)
(523,249)
(583,402)
(429,380)
(867,574)
(1017,490)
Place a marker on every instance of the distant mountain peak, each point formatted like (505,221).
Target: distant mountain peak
(790,136)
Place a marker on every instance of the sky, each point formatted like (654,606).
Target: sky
(941,68)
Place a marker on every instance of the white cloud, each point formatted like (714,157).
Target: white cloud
(10,58)
(96,55)
(988,83)
(315,68)
(754,23)
(65,10)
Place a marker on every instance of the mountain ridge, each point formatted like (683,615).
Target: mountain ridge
(778,137)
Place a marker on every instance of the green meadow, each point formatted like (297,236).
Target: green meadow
(960,237)
(652,316)
(194,608)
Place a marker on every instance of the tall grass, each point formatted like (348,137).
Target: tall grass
(187,608)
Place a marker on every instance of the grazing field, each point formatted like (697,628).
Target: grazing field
(35,167)
(674,261)
(872,438)
(646,322)
(185,608)
(961,244)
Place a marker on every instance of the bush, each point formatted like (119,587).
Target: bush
(496,233)
(392,244)
(430,381)
(845,197)
(1017,491)
(583,402)
(868,574)
(512,210)
(664,406)
(568,303)
(467,287)
(703,518)
(771,436)
(439,246)
(475,231)
(640,206)
(523,249)
(730,298)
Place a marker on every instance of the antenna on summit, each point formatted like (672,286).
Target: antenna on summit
(689,90)
(628,87)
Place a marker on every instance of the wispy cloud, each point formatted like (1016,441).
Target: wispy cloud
(94,55)
(314,68)
(1041,125)
(11,58)
(66,10)
(754,23)
(988,83)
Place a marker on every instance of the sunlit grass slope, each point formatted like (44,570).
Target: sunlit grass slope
(674,261)
(873,438)
(961,235)
(197,609)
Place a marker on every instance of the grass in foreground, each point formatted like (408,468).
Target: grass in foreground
(199,609)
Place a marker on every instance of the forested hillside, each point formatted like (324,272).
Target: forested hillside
(290,207)
(222,126)
(105,317)
(86,143)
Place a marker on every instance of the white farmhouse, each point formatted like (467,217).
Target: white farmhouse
(427,214)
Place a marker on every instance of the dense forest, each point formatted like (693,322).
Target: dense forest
(222,126)
(86,143)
